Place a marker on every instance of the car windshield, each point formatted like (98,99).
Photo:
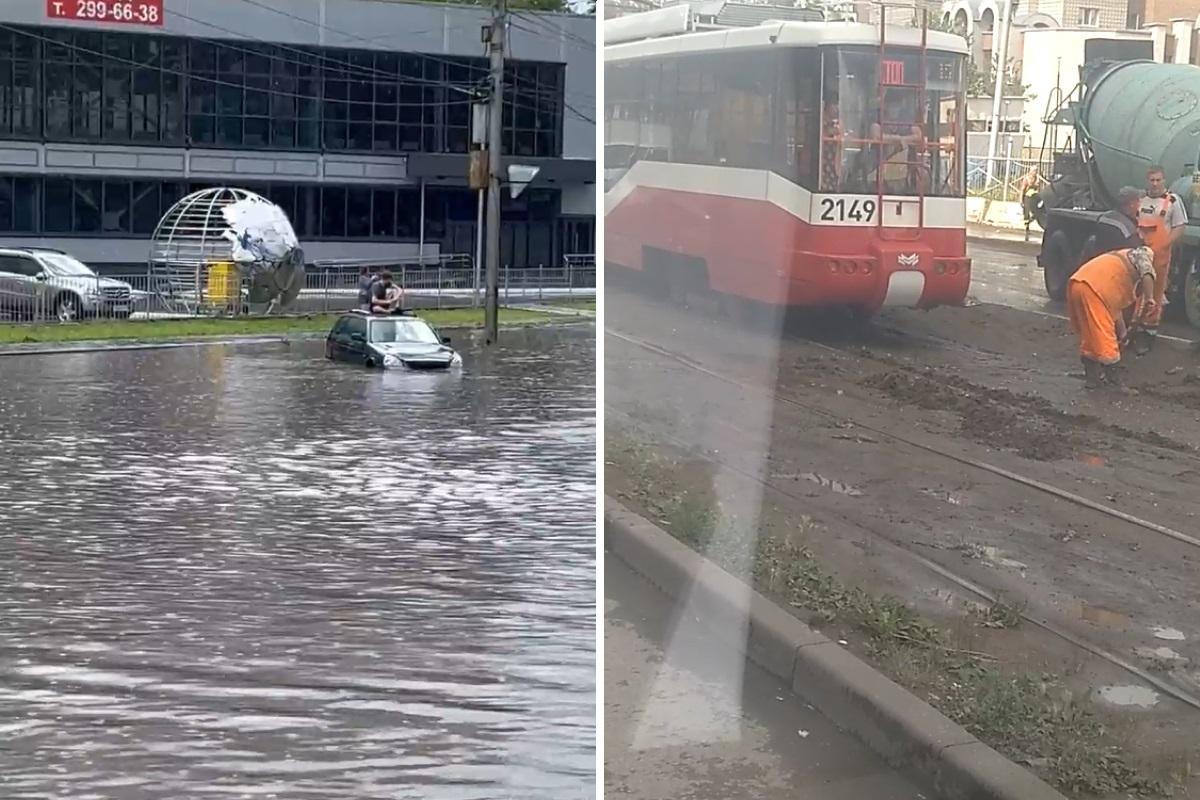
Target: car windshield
(413,331)
(58,264)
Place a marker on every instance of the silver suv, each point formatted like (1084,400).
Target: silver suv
(39,282)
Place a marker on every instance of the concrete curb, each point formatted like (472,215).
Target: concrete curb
(902,728)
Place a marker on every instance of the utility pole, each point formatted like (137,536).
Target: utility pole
(495,147)
(1007,9)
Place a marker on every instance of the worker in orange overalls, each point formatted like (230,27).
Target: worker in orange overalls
(1161,220)
(1099,295)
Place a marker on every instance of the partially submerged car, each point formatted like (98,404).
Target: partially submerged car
(391,341)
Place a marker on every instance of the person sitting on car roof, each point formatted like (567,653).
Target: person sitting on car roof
(386,296)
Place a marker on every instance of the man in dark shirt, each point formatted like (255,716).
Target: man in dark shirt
(386,297)
(1117,229)
(366,285)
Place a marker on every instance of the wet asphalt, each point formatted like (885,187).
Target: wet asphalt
(244,571)
(687,718)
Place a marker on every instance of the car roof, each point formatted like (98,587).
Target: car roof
(367,315)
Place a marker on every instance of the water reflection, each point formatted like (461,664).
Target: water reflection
(249,572)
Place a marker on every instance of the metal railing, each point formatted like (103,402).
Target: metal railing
(328,287)
(1000,178)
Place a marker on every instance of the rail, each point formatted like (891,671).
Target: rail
(1181,693)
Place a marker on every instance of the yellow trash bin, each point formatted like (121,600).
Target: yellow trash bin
(223,284)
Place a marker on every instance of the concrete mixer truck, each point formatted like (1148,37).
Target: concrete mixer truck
(1129,115)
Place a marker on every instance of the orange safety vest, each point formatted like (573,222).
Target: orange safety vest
(1152,222)
(1112,278)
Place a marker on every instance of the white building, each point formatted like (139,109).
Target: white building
(1050,61)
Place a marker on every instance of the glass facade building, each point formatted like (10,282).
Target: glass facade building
(101,130)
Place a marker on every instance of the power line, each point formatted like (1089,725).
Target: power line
(218,81)
(356,37)
(271,91)
(349,66)
(548,28)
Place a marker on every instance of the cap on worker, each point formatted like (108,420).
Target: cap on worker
(1129,194)
(1142,258)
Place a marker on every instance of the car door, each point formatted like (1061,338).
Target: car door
(335,345)
(20,289)
(356,339)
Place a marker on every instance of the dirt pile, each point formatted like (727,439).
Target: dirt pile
(984,418)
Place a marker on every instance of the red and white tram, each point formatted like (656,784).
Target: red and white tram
(789,163)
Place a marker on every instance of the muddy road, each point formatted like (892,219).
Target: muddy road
(948,458)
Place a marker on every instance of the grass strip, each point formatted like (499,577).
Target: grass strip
(155,330)
(1033,719)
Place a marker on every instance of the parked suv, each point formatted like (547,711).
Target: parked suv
(39,282)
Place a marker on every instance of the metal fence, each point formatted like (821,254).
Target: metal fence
(328,287)
(1000,178)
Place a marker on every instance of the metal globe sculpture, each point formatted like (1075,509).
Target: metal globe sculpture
(225,250)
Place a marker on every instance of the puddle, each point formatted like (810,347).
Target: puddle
(830,483)
(994,555)
(1103,616)
(1161,654)
(943,495)
(1170,634)
(1138,696)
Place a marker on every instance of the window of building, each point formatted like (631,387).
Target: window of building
(121,208)
(19,56)
(533,107)
(18,204)
(56,212)
(117,87)
(111,87)
(408,214)
(1089,17)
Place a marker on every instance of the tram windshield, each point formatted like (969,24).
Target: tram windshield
(879,130)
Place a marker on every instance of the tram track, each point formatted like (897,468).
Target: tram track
(1025,482)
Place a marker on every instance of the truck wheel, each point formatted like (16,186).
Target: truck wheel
(1058,264)
(1191,298)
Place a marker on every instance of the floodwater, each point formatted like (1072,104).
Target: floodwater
(248,572)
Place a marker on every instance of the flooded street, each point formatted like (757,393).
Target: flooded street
(249,572)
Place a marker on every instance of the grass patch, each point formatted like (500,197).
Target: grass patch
(1032,719)
(580,304)
(1002,614)
(150,330)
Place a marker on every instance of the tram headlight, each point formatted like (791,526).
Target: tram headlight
(867,267)
(940,267)
(850,267)
(833,266)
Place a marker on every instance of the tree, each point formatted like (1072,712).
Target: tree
(982,83)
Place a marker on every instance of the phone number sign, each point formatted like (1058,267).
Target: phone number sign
(132,12)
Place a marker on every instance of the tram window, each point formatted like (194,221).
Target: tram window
(797,117)
(742,121)
(658,135)
(691,136)
(902,146)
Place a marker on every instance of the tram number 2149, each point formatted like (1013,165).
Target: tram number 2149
(841,209)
